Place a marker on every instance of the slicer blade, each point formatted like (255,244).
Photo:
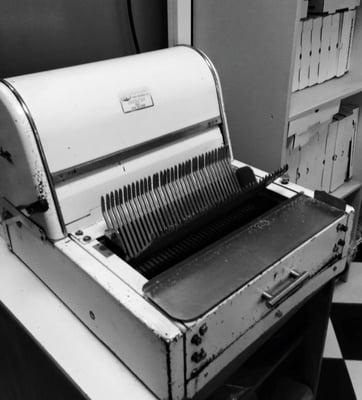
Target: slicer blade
(150,220)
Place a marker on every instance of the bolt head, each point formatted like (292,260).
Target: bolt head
(341,242)
(196,340)
(198,356)
(342,228)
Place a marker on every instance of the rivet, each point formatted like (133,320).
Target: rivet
(203,329)
(87,238)
(19,224)
(194,372)
(79,232)
(91,314)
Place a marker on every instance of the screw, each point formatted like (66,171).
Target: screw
(203,329)
(194,372)
(342,228)
(198,356)
(79,233)
(196,340)
(87,238)
(341,242)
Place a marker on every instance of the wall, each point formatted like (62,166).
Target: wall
(37,35)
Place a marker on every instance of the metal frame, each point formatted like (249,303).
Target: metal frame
(224,125)
(108,299)
(179,22)
(123,155)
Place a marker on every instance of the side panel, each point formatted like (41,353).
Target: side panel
(23,179)
(256,331)
(245,308)
(147,342)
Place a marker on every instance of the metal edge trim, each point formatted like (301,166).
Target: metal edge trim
(41,151)
(224,124)
(116,157)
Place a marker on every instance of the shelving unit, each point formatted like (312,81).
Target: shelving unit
(335,89)
(254,48)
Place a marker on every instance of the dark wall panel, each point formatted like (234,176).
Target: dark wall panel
(37,35)
(151,23)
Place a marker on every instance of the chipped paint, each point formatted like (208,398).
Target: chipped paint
(234,317)
(6,155)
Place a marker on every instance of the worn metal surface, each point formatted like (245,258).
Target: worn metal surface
(237,314)
(143,338)
(193,287)
(61,335)
(210,370)
(87,107)
(25,180)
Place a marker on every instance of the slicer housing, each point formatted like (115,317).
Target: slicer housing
(120,191)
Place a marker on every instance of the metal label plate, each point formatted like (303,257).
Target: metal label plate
(136,101)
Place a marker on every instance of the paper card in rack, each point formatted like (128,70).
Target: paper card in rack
(312,159)
(345,41)
(306,53)
(333,46)
(298,55)
(316,45)
(324,59)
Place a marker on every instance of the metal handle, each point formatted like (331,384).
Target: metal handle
(274,299)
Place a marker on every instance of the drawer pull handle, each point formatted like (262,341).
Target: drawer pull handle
(273,299)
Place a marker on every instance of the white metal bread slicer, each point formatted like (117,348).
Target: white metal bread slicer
(119,190)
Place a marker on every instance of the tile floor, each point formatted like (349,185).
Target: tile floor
(341,374)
